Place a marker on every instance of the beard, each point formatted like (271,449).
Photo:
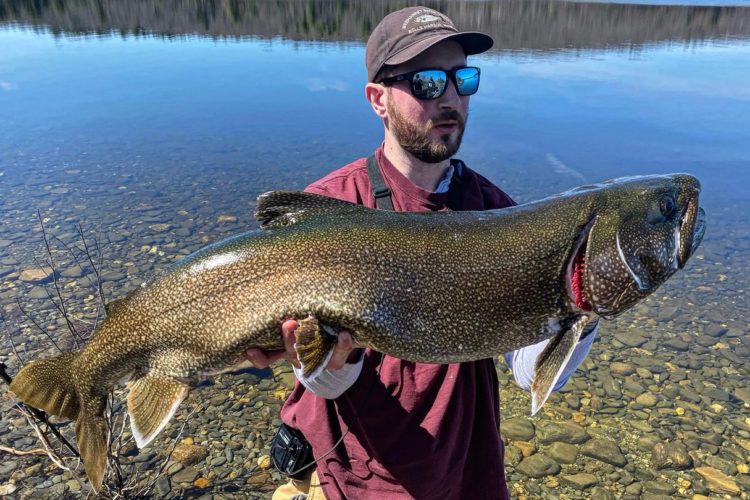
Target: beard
(416,139)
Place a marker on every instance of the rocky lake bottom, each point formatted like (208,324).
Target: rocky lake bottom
(660,409)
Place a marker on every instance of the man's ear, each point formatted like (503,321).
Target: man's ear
(376,94)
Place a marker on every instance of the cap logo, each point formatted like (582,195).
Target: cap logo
(425,19)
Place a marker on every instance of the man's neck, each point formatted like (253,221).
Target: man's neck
(424,175)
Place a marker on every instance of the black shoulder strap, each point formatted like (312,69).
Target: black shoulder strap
(455,193)
(379,189)
(383,194)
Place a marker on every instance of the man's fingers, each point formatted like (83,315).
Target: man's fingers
(262,359)
(341,350)
(287,332)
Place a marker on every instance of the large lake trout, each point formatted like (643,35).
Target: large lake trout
(427,287)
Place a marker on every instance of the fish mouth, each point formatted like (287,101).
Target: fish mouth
(575,276)
(690,231)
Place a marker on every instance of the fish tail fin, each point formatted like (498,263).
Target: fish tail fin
(91,437)
(47,384)
(314,346)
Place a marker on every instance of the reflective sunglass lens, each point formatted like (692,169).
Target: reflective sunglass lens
(467,81)
(428,84)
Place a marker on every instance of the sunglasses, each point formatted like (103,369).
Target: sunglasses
(431,83)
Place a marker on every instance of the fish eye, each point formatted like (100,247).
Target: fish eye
(667,205)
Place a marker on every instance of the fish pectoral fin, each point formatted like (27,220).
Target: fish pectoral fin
(284,208)
(551,362)
(152,401)
(314,346)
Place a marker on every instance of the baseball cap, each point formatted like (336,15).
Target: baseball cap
(406,33)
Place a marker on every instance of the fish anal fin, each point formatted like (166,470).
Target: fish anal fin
(551,362)
(91,438)
(152,400)
(47,384)
(314,346)
(284,208)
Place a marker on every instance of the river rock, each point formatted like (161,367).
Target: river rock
(565,432)
(631,338)
(517,428)
(659,488)
(36,275)
(622,369)
(538,465)
(606,451)
(188,454)
(563,453)
(717,481)
(186,475)
(647,399)
(672,455)
(579,481)
(676,344)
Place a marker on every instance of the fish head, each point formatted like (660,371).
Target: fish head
(641,231)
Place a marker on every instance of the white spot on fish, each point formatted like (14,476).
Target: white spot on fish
(214,262)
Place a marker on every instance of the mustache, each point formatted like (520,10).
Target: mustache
(448,115)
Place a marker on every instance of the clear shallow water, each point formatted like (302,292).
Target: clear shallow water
(148,140)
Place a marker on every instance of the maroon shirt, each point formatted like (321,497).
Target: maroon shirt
(417,430)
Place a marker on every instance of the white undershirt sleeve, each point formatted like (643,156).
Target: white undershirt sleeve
(522,361)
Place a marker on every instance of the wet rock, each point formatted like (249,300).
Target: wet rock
(186,475)
(599,493)
(163,486)
(622,369)
(565,432)
(659,488)
(188,454)
(717,481)
(562,453)
(647,400)
(579,481)
(226,218)
(631,337)
(676,344)
(538,465)
(672,455)
(725,466)
(606,451)
(517,428)
(36,275)
(8,489)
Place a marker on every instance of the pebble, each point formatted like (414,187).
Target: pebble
(606,451)
(517,428)
(566,432)
(673,455)
(562,453)
(580,481)
(186,475)
(538,465)
(36,275)
(188,454)
(717,481)
(647,399)
(631,337)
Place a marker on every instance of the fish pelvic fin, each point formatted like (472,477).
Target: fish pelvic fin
(314,346)
(47,384)
(91,438)
(152,401)
(284,208)
(551,362)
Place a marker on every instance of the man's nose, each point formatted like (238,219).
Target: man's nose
(450,98)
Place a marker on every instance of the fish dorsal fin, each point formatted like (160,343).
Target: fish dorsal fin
(284,208)
(552,360)
(152,401)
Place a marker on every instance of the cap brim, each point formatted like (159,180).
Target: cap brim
(473,42)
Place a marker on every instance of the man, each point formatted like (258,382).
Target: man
(382,427)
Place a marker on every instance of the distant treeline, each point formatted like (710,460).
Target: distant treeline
(515,24)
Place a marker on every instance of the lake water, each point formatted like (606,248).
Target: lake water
(155,124)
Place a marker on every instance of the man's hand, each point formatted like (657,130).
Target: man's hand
(262,359)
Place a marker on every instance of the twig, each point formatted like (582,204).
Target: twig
(61,305)
(13,451)
(39,327)
(45,442)
(10,339)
